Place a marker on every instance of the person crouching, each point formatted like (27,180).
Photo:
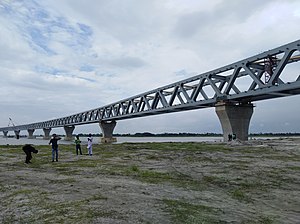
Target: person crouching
(28,149)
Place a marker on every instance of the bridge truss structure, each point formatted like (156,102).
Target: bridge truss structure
(267,75)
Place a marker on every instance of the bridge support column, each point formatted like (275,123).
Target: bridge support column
(46,133)
(17,134)
(69,132)
(30,133)
(235,120)
(107,131)
(5,134)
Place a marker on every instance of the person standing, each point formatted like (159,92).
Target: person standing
(77,144)
(53,141)
(90,144)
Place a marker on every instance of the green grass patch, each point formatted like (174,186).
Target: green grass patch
(39,207)
(241,195)
(284,158)
(296,168)
(221,182)
(62,181)
(184,212)
(21,191)
(149,176)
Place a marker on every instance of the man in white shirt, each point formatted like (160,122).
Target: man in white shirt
(90,144)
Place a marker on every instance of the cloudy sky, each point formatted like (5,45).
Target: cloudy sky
(63,57)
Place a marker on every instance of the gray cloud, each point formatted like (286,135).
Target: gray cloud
(226,13)
(128,62)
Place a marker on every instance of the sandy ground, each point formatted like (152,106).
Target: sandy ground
(253,182)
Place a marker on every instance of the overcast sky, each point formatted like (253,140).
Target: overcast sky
(63,57)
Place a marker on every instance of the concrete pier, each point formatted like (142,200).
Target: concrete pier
(30,133)
(107,131)
(69,132)
(17,134)
(235,119)
(46,133)
(5,134)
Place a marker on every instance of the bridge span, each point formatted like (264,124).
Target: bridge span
(231,89)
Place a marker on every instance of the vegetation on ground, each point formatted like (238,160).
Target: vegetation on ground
(153,183)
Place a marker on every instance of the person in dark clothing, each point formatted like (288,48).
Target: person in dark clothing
(28,149)
(229,137)
(77,144)
(53,141)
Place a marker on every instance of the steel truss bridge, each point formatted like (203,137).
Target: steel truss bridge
(267,75)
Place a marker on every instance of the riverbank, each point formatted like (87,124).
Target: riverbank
(190,182)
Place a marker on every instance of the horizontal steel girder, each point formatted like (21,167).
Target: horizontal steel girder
(252,79)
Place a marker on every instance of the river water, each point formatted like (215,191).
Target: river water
(41,141)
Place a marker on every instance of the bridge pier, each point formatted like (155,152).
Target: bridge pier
(107,131)
(235,119)
(69,132)
(5,134)
(46,133)
(17,134)
(30,133)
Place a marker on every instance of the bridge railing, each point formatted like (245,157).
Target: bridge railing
(255,78)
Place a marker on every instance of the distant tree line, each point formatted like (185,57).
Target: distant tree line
(276,134)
